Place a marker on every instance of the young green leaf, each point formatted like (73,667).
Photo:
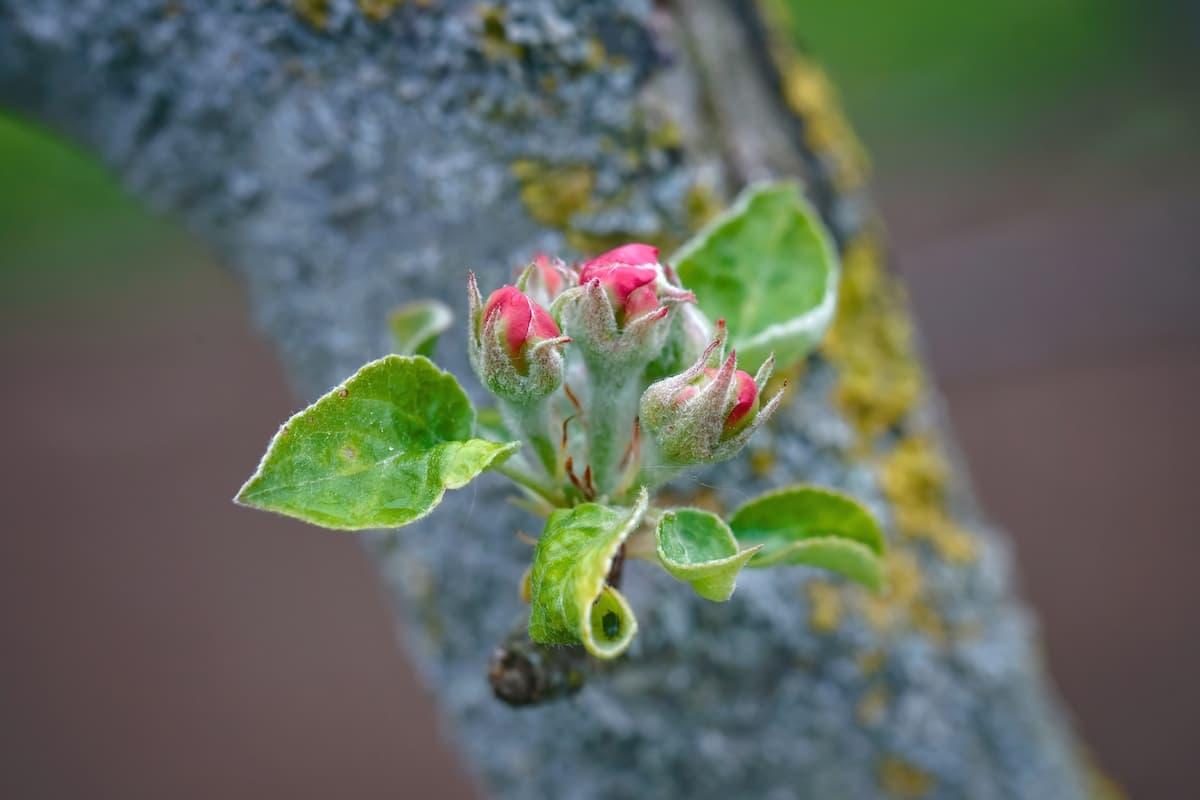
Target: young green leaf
(572,603)
(377,451)
(768,268)
(697,546)
(416,326)
(812,526)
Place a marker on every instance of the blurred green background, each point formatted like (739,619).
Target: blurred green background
(1036,163)
(965,79)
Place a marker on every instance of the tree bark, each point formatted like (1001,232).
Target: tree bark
(346,157)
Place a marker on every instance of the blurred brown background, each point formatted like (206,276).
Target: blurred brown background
(1037,165)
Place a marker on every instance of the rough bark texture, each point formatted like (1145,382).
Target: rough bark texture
(345,158)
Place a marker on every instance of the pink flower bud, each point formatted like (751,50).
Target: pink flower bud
(548,274)
(632,254)
(522,322)
(706,414)
(618,315)
(633,280)
(745,398)
(641,301)
(622,282)
(545,279)
(514,344)
(745,405)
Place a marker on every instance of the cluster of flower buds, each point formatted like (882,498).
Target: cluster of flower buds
(615,310)
(616,315)
(706,414)
(514,344)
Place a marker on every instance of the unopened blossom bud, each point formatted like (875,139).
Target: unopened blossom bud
(545,279)
(743,390)
(514,344)
(704,414)
(617,315)
(633,254)
(629,285)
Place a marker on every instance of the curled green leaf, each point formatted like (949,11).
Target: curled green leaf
(571,600)
(697,546)
(816,527)
(768,267)
(416,326)
(378,451)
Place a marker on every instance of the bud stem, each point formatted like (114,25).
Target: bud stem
(652,476)
(533,484)
(612,407)
(531,422)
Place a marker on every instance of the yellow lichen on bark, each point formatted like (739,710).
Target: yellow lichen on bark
(762,461)
(914,477)
(872,706)
(378,10)
(871,662)
(825,606)
(553,194)
(880,382)
(596,54)
(903,605)
(871,344)
(313,12)
(810,94)
(493,33)
(899,778)
(701,205)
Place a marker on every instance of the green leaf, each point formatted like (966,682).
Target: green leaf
(572,603)
(768,267)
(377,451)
(416,326)
(698,547)
(816,527)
